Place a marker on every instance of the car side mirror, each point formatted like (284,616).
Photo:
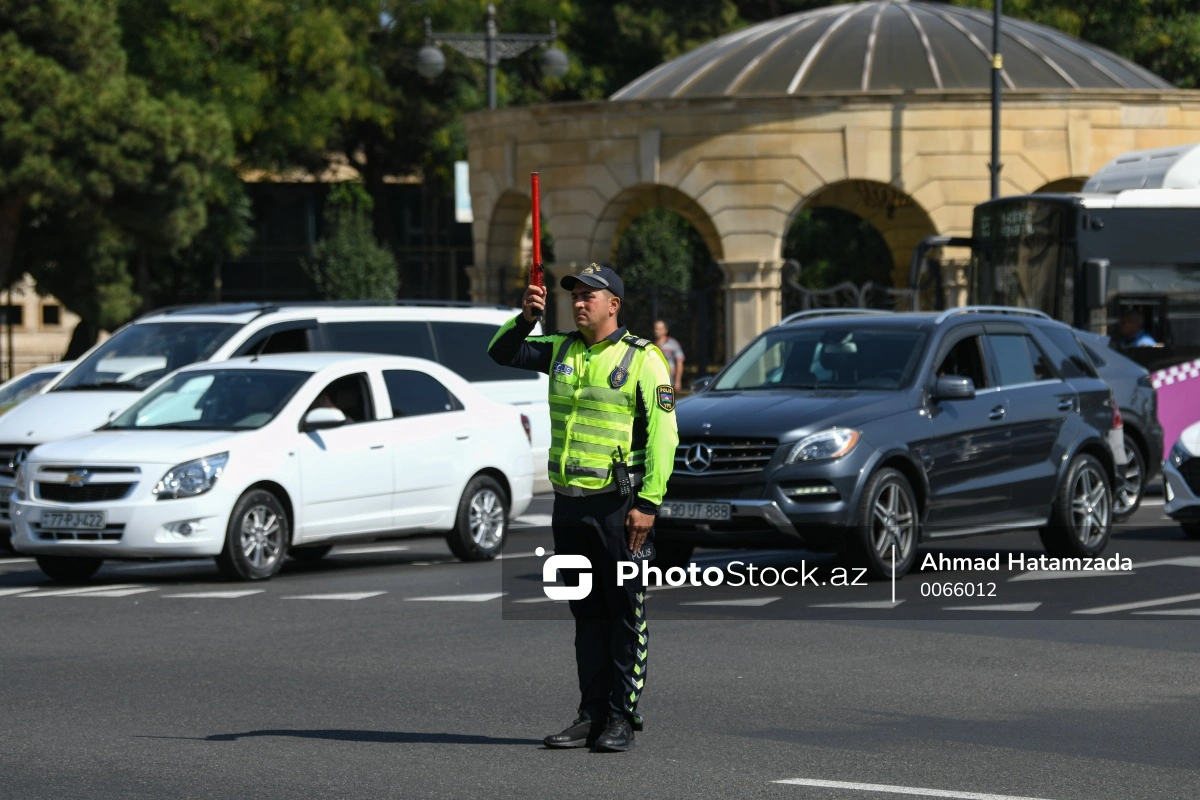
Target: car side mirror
(1095,283)
(954,387)
(700,384)
(320,419)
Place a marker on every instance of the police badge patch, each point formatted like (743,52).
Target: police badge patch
(617,378)
(666,398)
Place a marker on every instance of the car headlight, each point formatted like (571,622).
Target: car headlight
(20,487)
(191,477)
(1179,454)
(833,443)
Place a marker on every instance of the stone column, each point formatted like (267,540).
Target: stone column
(753,300)
(485,284)
(560,298)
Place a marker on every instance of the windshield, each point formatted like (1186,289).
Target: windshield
(24,386)
(217,399)
(820,358)
(138,355)
(1016,256)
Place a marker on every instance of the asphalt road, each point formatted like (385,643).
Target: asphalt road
(392,671)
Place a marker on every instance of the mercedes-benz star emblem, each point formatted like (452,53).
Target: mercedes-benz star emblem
(699,457)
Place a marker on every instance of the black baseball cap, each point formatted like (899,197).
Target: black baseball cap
(598,276)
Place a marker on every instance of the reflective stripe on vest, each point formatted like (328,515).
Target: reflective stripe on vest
(590,420)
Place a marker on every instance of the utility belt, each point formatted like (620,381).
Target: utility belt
(635,480)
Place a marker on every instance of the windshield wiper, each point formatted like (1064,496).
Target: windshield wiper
(92,387)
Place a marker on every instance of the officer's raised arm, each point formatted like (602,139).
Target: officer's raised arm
(512,346)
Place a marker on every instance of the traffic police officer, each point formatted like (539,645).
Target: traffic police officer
(613,439)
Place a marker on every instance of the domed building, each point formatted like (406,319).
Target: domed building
(879,108)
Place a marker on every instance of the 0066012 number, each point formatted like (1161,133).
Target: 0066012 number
(955,589)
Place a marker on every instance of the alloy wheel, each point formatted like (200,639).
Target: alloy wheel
(1091,506)
(262,537)
(486,518)
(893,521)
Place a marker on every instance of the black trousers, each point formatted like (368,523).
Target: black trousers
(611,635)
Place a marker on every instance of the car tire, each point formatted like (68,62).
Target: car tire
(1130,487)
(69,569)
(887,514)
(481,527)
(1191,529)
(312,553)
(1081,521)
(672,554)
(256,538)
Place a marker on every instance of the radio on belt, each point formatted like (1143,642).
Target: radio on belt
(621,474)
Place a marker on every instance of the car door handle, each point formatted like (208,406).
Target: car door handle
(997,413)
(377,447)
(1066,405)
(462,435)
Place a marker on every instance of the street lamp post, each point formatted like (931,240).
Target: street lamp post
(491,48)
(997,67)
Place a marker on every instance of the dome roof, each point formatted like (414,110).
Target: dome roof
(882,45)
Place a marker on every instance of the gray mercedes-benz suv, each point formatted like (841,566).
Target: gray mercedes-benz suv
(870,434)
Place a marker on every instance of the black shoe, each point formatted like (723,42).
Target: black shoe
(581,733)
(617,736)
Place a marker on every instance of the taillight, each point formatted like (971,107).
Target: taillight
(529,428)
(1117,424)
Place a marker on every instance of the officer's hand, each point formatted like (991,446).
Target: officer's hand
(637,527)
(533,301)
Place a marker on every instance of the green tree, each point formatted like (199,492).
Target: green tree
(658,257)
(91,163)
(833,246)
(348,263)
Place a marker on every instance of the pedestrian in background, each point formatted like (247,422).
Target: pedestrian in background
(613,439)
(673,350)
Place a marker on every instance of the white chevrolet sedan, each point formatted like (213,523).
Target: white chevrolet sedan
(250,460)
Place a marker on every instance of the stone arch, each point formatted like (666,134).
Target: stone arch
(1062,185)
(623,209)
(506,229)
(900,219)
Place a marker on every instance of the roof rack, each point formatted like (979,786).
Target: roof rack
(830,312)
(268,307)
(1018,312)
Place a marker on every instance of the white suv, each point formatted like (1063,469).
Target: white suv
(112,375)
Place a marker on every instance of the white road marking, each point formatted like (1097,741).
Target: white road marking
(1174,612)
(540,600)
(1162,601)
(84,590)
(504,556)
(231,595)
(6,592)
(1052,575)
(534,520)
(1183,561)
(909,790)
(459,598)
(1146,501)
(16,560)
(749,602)
(346,596)
(430,563)
(118,592)
(354,550)
(996,607)
(871,604)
